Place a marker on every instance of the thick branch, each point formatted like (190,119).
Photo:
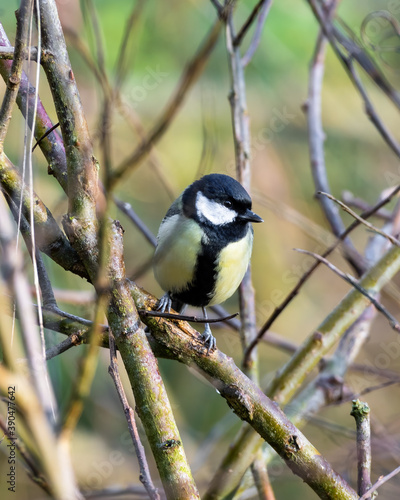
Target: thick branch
(141,365)
(82,168)
(145,476)
(291,376)
(248,402)
(52,145)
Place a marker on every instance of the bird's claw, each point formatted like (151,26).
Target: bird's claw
(164,304)
(209,339)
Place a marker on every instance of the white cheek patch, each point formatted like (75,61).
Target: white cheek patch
(213,211)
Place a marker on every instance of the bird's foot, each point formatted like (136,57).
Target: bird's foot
(209,339)
(164,304)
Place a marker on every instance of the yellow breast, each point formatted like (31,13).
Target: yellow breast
(232,265)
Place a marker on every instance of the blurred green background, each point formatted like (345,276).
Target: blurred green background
(200,141)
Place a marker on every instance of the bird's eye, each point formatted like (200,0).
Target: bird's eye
(228,204)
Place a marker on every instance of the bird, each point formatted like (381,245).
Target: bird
(204,246)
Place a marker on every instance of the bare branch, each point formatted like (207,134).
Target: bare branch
(261,6)
(12,268)
(351,201)
(257,34)
(84,378)
(181,317)
(9,53)
(72,341)
(50,239)
(241,137)
(145,476)
(133,19)
(355,52)
(316,147)
(389,237)
(361,412)
(127,209)
(353,282)
(14,79)
(379,483)
(261,479)
(371,111)
(81,164)
(247,400)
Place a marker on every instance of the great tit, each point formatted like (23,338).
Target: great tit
(204,245)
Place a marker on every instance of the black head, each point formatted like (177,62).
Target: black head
(218,200)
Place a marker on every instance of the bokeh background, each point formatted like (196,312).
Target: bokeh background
(200,141)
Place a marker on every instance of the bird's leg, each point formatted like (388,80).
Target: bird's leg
(164,304)
(208,337)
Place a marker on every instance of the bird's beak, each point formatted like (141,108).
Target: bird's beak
(250,216)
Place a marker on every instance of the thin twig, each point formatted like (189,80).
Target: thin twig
(350,200)
(12,263)
(145,477)
(93,24)
(261,478)
(72,341)
(355,52)
(9,53)
(237,41)
(192,319)
(379,483)
(219,7)
(371,111)
(367,390)
(257,33)
(114,492)
(48,132)
(14,79)
(353,282)
(361,412)
(316,139)
(295,290)
(122,62)
(127,209)
(242,145)
(84,378)
(347,209)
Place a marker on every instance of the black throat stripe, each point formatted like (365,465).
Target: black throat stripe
(201,290)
